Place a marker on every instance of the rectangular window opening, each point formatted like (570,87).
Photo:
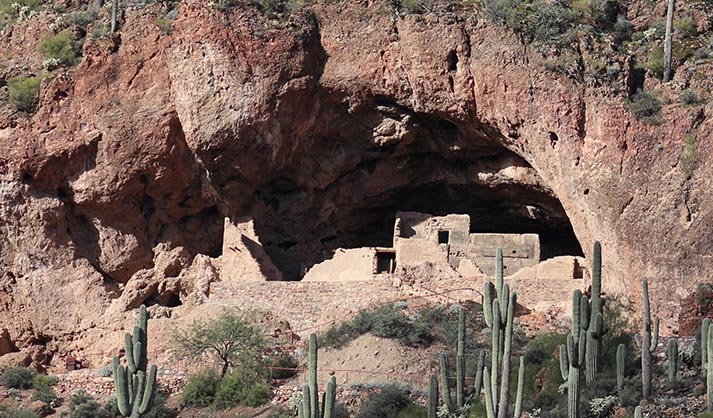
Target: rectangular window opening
(385,262)
(443,237)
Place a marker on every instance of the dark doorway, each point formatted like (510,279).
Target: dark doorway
(443,237)
(385,262)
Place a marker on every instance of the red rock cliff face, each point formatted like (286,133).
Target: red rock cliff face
(319,132)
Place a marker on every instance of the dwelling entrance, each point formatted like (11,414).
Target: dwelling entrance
(385,261)
(443,237)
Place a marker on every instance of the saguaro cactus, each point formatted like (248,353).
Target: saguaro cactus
(460,360)
(596,328)
(637,412)
(621,354)
(478,384)
(647,343)
(135,389)
(704,342)
(445,381)
(572,359)
(499,311)
(672,354)
(709,368)
(309,407)
(520,388)
(433,397)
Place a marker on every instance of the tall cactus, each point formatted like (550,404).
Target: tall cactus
(445,381)
(478,384)
(647,343)
(498,309)
(460,360)
(572,360)
(621,354)
(309,407)
(433,397)
(135,389)
(520,388)
(672,354)
(596,329)
(704,342)
(709,368)
(637,412)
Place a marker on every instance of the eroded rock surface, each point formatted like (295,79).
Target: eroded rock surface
(115,191)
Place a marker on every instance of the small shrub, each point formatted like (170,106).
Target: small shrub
(413,411)
(283,362)
(158,409)
(17,377)
(83,405)
(23,92)
(386,403)
(164,25)
(25,413)
(412,6)
(44,381)
(689,156)
(623,29)
(654,61)
(201,389)
(106,371)
(645,106)
(688,97)
(686,27)
(62,47)
(550,20)
(79,19)
(508,13)
(45,395)
(257,394)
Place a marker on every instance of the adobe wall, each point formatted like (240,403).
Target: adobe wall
(346,264)
(415,226)
(519,251)
(243,257)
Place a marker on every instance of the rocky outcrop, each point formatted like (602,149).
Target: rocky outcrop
(319,132)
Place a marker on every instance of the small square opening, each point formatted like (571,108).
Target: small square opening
(443,237)
(385,262)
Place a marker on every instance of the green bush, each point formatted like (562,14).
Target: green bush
(413,411)
(240,389)
(17,377)
(283,362)
(688,97)
(158,409)
(689,156)
(62,47)
(549,21)
(623,29)
(44,381)
(164,25)
(685,27)
(12,9)
(25,413)
(508,13)
(23,92)
(645,106)
(386,403)
(45,395)
(386,321)
(83,405)
(654,61)
(201,389)
(79,19)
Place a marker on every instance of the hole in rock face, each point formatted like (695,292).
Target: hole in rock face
(347,194)
(443,237)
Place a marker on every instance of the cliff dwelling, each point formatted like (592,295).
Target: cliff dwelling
(444,244)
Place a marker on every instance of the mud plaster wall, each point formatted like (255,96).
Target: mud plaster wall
(519,251)
(244,258)
(346,264)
